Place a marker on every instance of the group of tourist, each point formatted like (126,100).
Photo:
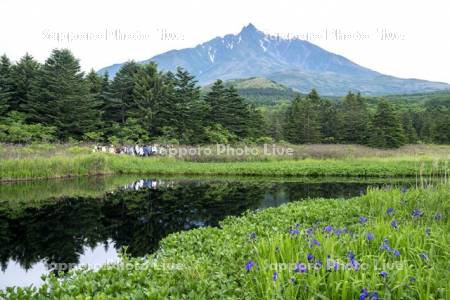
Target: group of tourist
(137,150)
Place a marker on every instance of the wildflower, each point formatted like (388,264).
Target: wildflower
(319,264)
(354,264)
(249,265)
(396,253)
(315,243)
(351,255)
(364,294)
(328,228)
(362,220)
(390,211)
(335,265)
(309,231)
(394,224)
(383,274)
(370,236)
(427,231)
(338,232)
(275,276)
(386,247)
(332,265)
(423,256)
(294,231)
(293,280)
(310,257)
(300,268)
(412,279)
(253,235)
(438,216)
(416,213)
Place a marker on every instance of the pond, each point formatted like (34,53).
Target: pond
(50,226)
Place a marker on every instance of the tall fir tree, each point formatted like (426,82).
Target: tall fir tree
(24,76)
(386,129)
(6,84)
(61,97)
(150,97)
(408,129)
(120,98)
(355,119)
(188,109)
(302,121)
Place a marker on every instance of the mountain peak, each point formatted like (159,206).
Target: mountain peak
(294,63)
(250,28)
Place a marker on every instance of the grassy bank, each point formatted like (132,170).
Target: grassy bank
(59,161)
(101,164)
(389,243)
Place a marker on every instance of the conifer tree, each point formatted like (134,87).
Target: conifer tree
(386,128)
(150,98)
(354,119)
(120,98)
(188,110)
(24,76)
(302,122)
(6,84)
(61,97)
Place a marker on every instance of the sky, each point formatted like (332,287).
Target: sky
(409,39)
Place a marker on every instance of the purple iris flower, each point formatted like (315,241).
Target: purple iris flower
(294,231)
(364,294)
(328,228)
(362,220)
(319,264)
(390,211)
(310,257)
(396,253)
(253,235)
(332,264)
(394,224)
(309,231)
(383,274)
(338,232)
(315,243)
(249,265)
(386,247)
(351,255)
(416,213)
(300,268)
(370,236)
(293,280)
(275,276)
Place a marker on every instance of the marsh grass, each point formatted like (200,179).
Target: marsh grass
(102,164)
(211,262)
(58,161)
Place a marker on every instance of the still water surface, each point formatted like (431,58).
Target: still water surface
(87,221)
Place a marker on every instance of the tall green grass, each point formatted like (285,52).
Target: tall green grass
(99,164)
(210,263)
